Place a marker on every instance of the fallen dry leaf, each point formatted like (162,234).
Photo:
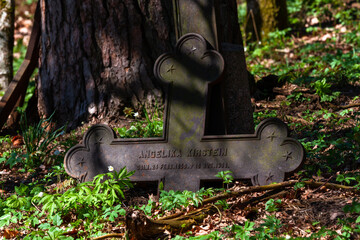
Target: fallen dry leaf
(17,141)
(10,233)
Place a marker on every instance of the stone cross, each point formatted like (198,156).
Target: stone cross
(184,155)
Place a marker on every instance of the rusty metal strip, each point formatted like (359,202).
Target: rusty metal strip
(17,87)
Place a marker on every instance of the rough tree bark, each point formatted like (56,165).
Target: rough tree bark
(235,87)
(97,56)
(6,41)
(266,17)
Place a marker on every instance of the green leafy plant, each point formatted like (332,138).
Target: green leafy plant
(323,89)
(243,232)
(128,112)
(151,127)
(269,227)
(226,177)
(12,158)
(272,205)
(113,212)
(147,209)
(103,192)
(38,139)
(215,235)
(178,200)
(342,178)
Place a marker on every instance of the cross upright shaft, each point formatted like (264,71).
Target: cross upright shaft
(196,16)
(189,72)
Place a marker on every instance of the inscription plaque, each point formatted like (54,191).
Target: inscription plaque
(184,155)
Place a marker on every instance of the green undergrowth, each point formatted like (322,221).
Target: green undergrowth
(151,126)
(51,213)
(89,205)
(47,204)
(324,57)
(39,140)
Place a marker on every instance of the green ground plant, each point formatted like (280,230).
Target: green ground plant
(93,202)
(321,72)
(150,127)
(331,140)
(38,139)
(226,176)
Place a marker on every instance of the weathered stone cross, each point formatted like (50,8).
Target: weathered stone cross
(184,156)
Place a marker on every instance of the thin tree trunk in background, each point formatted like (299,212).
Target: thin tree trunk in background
(6,42)
(97,57)
(265,16)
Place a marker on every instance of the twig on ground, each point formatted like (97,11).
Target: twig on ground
(323,184)
(220,214)
(110,235)
(336,108)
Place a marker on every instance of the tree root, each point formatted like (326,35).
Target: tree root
(141,227)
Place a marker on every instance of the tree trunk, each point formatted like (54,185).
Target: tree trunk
(235,87)
(97,56)
(265,16)
(6,42)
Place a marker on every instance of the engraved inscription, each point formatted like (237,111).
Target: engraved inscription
(181,166)
(168,153)
(217,152)
(176,153)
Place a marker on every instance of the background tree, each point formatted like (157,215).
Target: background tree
(97,56)
(265,16)
(6,41)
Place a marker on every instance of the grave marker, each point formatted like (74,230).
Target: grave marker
(184,155)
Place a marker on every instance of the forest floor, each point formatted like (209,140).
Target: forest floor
(328,129)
